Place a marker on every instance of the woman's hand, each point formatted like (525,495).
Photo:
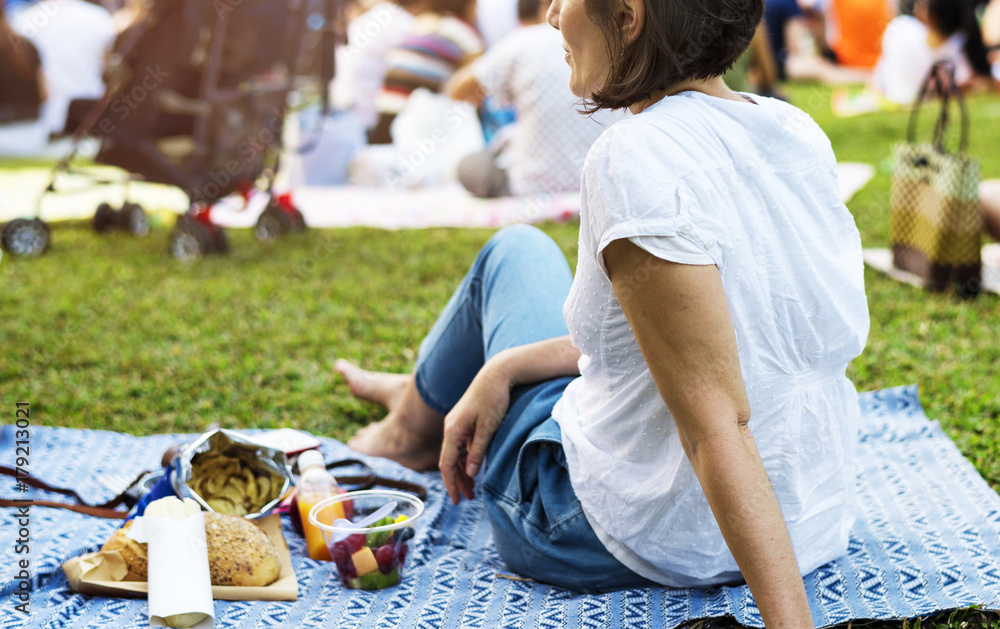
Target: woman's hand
(470,426)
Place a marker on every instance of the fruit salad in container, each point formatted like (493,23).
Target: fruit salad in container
(371,549)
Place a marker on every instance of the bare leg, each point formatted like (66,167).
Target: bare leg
(410,433)
(485,315)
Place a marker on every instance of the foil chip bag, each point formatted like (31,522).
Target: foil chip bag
(228,472)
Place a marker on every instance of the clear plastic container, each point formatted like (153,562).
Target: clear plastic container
(370,558)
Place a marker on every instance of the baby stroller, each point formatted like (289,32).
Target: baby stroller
(196,98)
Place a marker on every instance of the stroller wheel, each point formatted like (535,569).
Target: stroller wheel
(220,244)
(272,224)
(189,240)
(25,237)
(135,219)
(296,220)
(104,218)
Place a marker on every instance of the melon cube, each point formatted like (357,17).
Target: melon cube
(364,561)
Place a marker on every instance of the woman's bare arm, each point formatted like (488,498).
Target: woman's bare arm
(681,319)
(463,85)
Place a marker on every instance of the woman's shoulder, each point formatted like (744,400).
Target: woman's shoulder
(631,142)
(674,134)
(692,137)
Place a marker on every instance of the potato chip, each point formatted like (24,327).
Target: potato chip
(264,489)
(222,505)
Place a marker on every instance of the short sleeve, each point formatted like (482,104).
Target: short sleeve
(673,249)
(631,189)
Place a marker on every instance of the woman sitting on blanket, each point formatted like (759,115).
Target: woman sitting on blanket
(677,413)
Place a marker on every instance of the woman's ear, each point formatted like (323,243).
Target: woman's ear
(633,16)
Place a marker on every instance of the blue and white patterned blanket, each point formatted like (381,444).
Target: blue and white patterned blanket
(928,540)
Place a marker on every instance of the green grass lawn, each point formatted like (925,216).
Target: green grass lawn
(111,333)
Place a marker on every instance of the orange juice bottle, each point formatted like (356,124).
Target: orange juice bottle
(315,484)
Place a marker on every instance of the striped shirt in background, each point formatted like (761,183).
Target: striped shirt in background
(435,48)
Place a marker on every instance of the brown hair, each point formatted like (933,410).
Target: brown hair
(680,40)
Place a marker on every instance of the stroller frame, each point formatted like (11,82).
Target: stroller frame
(227,97)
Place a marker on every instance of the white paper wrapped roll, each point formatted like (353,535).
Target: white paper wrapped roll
(179,581)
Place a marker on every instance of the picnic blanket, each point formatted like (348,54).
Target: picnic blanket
(881,260)
(331,206)
(928,539)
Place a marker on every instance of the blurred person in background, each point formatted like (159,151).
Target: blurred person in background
(373,29)
(778,15)
(73,38)
(441,40)
(546,147)
(836,41)
(938,30)
(854,30)
(756,70)
(991,36)
(22,92)
(989,196)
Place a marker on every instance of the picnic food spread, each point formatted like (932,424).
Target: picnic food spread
(217,536)
(239,552)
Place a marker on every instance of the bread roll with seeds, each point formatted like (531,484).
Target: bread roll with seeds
(239,552)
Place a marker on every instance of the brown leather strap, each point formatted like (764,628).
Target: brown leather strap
(98,512)
(364,481)
(418,490)
(107,509)
(40,484)
(370,479)
(940,82)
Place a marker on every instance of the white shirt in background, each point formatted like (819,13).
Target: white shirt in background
(527,70)
(907,59)
(360,64)
(753,190)
(73,39)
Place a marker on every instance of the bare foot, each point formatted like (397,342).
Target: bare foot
(389,438)
(384,389)
(410,434)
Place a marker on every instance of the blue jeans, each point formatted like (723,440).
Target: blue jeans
(512,296)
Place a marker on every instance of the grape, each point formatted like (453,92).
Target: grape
(347,571)
(341,555)
(386,558)
(355,542)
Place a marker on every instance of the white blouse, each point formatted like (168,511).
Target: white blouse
(753,190)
